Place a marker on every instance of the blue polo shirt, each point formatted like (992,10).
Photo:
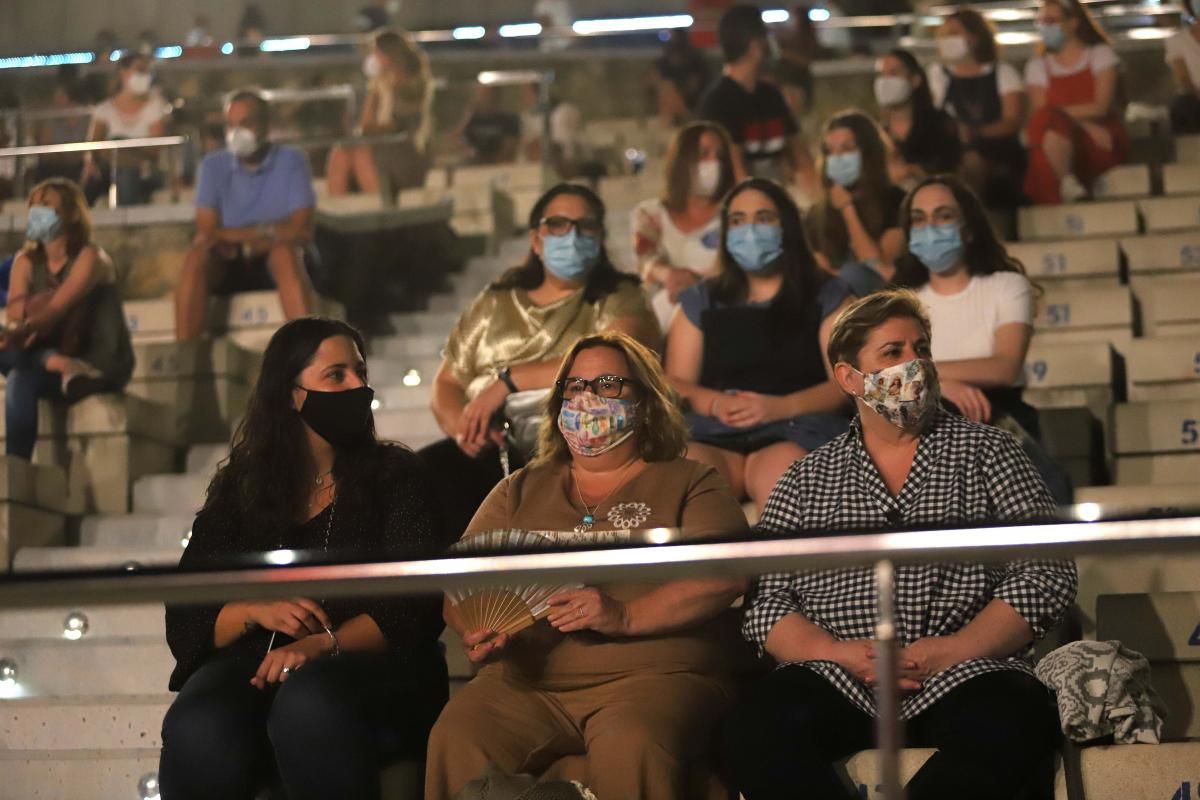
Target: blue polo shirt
(243,197)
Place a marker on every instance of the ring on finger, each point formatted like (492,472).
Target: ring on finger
(285,670)
(581,611)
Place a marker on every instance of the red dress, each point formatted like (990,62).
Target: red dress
(1091,159)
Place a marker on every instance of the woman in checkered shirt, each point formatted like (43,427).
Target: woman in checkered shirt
(966,629)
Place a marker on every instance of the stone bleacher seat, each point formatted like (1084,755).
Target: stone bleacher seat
(1077,220)
(1164,368)
(33,502)
(1094,261)
(1181,178)
(1156,254)
(1124,181)
(1071,375)
(1169,306)
(1163,214)
(1157,442)
(1085,314)
(1187,149)
(1142,499)
(483,212)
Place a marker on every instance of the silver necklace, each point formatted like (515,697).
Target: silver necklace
(589,512)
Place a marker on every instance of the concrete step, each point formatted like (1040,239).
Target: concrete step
(151,531)
(423,322)
(418,346)
(89,667)
(50,559)
(395,372)
(410,397)
(78,775)
(454,301)
(102,622)
(84,723)
(170,494)
(203,459)
(407,426)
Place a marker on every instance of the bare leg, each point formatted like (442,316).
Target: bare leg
(191,294)
(365,174)
(1058,152)
(765,467)
(337,171)
(286,265)
(726,462)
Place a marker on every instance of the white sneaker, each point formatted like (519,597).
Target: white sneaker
(1071,189)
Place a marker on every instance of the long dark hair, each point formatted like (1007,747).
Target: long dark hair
(829,226)
(269,471)
(801,277)
(604,278)
(683,154)
(924,113)
(983,252)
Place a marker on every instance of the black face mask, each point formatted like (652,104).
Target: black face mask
(341,418)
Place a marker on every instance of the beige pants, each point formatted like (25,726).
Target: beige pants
(642,734)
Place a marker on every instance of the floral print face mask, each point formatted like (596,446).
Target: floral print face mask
(593,425)
(906,395)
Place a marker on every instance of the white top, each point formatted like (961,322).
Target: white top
(695,250)
(964,324)
(1184,47)
(1008,80)
(135,126)
(1097,58)
(566,128)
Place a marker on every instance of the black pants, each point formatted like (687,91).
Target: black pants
(324,733)
(993,734)
(462,483)
(1185,114)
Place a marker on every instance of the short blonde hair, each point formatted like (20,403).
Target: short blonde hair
(660,431)
(855,323)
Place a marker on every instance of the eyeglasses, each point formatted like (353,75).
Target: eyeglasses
(608,386)
(561,226)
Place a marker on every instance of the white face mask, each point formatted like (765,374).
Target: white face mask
(706,177)
(952,49)
(242,142)
(139,83)
(892,90)
(372,69)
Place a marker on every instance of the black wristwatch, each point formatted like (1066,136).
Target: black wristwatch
(504,375)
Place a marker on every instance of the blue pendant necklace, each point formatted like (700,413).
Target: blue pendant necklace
(589,512)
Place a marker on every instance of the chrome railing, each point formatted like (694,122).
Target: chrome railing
(113,146)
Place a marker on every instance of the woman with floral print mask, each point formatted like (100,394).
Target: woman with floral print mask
(610,459)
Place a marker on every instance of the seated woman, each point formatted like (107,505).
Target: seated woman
(137,110)
(925,137)
(633,678)
(855,228)
(675,236)
(745,351)
(399,100)
(986,98)
(65,334)
(1075,132)
(259,689)
(512,338)
(490,134)
(966,629)
(1183,56)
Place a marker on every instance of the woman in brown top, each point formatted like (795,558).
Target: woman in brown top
(629,677)
(514,334)
(65,334)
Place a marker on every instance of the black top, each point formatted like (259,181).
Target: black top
(932,143)
(402,523)
(976,99)
(687,70)
(486,131)
(834,244)
(760,122)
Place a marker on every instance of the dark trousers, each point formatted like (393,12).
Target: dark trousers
(27,379)
(995,736)
(324,733)
(1185,114)
(462,483)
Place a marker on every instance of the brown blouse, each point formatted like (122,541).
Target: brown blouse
(679,493)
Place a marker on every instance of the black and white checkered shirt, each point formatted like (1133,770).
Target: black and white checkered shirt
(963,472)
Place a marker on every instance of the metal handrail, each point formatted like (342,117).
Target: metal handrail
(42,114)
(319,142)
(339,91)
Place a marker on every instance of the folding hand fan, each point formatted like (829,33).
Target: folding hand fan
(509,609)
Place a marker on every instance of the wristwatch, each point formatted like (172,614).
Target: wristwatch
(504,375)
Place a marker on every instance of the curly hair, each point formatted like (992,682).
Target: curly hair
(660,432)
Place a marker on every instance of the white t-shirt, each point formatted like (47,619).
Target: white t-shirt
(1008,80)
(132,126)
(566,128)
(695,250)
(1183,46)
(1097,58)
(964,324)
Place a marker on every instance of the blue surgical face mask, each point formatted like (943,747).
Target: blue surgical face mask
(844,169)
(571,255)
(939,247)
(755,247)
(43,225)
(1052,35)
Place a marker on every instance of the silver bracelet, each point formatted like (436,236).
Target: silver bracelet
(337,649)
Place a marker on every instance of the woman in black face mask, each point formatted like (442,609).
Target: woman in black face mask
(317,694)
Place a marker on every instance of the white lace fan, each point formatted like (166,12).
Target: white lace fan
(509,609)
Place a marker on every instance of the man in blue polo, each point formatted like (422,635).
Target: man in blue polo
(254,220)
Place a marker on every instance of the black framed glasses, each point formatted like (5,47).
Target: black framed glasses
(608,386)
(561,226)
